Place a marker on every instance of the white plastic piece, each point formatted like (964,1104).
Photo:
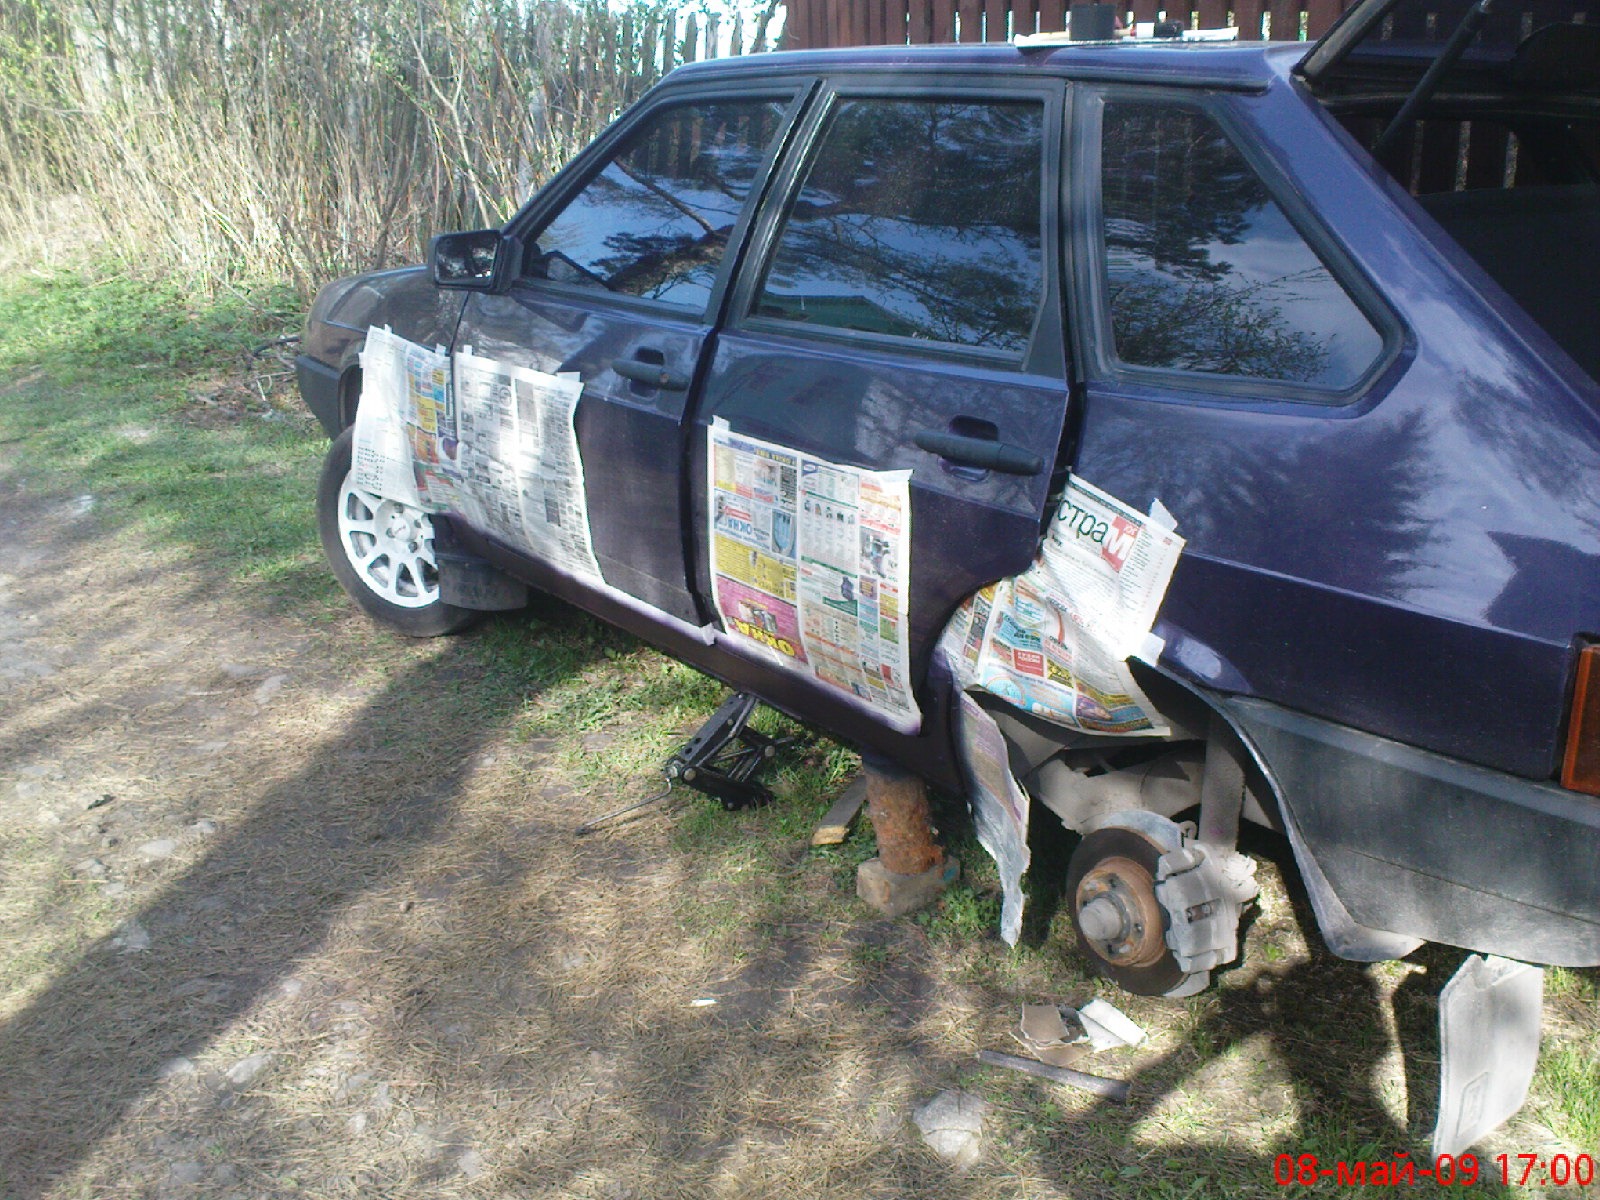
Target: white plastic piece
(1108,1027)
(1489,1024)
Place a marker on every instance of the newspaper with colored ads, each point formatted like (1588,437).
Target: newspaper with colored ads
(1055,640)
(810,559)
(405,397)
(489,440)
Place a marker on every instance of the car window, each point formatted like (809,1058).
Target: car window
(917,219)
(655,221)
(1204,272)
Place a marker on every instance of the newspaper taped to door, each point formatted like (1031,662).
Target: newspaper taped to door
(811,560)
(1055,640)
(519,470)
(491,441)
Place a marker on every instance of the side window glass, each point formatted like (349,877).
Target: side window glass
(1203,270)
(918,219)
(655,222)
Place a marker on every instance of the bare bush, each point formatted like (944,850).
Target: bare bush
(295,140)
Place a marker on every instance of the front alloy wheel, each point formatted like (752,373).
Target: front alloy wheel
(381,552)
(390,545)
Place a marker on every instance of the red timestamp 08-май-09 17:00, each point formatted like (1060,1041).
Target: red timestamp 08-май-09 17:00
(1522,1170)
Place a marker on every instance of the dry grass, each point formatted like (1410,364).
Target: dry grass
(299,143)
(461,998)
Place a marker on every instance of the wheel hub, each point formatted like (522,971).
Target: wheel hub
(390,545)
(1119,914)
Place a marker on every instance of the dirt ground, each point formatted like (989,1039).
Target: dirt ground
(290,907)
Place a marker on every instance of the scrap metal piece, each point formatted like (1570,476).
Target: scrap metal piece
(1111,1089)
(1489,1023)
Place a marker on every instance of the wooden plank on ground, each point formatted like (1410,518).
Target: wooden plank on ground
(835,825)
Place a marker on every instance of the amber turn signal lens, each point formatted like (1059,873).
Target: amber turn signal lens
(1580,769)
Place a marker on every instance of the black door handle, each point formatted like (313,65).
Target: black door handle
(979,452)
(651,374)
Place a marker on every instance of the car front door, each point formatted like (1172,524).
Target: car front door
(898,311)
(626,263)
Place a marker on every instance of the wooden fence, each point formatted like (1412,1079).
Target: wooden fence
(813,24)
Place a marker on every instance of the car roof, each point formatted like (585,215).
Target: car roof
(1247,65)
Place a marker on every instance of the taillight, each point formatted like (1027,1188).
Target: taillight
(1580,768)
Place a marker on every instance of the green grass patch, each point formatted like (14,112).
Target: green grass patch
(150,408)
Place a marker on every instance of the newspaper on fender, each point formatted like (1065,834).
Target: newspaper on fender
(405,397)
(1055,640)
(490,440)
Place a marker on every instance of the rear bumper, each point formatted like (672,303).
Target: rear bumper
(319,388)
(1420,844)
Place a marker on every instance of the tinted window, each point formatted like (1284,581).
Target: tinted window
(1204,271)
(918,219)
(655,221)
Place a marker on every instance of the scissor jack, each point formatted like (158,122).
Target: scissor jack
(720,761)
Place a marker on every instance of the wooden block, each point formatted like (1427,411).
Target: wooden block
(835,826)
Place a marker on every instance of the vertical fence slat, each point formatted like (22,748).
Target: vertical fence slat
(1285,19)
(994,20)
(944,21)
(919,27)
(1247,16)
(1023,16)
(1052,16)
(1320,16)
(971,13)
(1486,154)
(1212,14)
(1145,10)
(800,25)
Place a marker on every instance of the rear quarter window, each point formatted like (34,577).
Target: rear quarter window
(1204,272)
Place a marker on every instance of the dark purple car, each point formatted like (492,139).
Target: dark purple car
(808,350)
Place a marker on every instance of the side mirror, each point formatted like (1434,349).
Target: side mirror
(484,260)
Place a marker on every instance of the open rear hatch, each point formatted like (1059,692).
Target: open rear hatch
(1488,112)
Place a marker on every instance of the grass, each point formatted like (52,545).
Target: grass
(395,906)
(150,404)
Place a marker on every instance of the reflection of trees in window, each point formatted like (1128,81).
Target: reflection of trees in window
(918,219)
(655,221)
(1177,196)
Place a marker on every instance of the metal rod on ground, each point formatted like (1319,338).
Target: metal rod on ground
(1111,1089)
(590,826)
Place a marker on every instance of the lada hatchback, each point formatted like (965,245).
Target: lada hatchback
(1134,430)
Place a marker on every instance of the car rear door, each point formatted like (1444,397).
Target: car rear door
(898,310)
(627,261)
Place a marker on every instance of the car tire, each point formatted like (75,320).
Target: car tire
(381,552)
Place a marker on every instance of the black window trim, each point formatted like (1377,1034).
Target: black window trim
(552,199)
(1043,353)
(1094,338)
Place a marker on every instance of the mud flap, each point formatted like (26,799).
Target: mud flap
(466,581)
(1489,1021)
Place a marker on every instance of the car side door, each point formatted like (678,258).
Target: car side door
(898,310)
(627,260)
